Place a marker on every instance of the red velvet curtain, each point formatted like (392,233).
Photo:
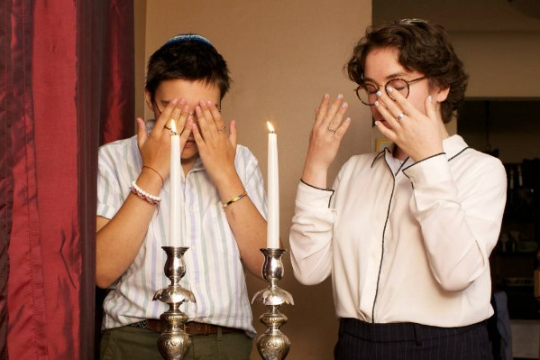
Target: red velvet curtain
(66,83)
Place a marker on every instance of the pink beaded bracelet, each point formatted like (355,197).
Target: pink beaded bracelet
(151,199)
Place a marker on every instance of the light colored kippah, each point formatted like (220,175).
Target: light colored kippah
(188,37)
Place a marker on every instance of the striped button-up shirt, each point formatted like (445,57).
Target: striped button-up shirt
(214,271)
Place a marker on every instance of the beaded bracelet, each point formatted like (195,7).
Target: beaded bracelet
(242,195)
(151,199)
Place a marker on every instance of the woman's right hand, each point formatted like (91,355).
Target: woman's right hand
(325,139)
(155,148)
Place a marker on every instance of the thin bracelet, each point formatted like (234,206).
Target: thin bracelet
(151,199)
(235,199)
(157,172)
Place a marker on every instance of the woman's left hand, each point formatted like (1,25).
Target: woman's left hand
(217,148)
(418,134)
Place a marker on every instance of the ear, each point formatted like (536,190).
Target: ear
(441,94)
(148,100)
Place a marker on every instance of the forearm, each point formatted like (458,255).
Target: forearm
(460,219)
(247,224)
(119,239)
(311,235)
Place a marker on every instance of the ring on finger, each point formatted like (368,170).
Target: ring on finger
(222,128)
(400,116)
(331,129)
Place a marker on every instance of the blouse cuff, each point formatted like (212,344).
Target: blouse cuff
(432,170)
(313,196)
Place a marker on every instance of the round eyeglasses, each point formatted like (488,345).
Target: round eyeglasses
(367,92)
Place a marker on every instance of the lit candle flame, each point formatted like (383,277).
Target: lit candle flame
(270,127)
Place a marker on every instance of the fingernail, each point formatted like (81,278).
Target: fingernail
(376,123)
(340,96)
(348,120)
(174,101)
(376,103)
(325,96)
(379,93)
(430,99)
(389,89)
(344,105)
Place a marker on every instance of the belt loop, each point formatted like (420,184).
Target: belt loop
(418,334)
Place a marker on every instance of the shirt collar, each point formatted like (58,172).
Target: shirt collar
(452,146)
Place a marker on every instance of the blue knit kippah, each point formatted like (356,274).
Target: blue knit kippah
(188,37)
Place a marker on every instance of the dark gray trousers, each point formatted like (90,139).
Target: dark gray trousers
(359,340)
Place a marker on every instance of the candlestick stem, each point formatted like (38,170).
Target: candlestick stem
(273,344)
(173,343)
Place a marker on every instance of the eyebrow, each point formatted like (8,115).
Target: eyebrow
(389,77)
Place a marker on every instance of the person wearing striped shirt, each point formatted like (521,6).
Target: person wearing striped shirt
(186,80)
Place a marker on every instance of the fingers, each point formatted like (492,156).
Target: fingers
(142,134)
(342,129)
(186,131)
(209,118)
(329,116)
(182,118)
(233,136)
(320,112)
(171,111)
(432,108)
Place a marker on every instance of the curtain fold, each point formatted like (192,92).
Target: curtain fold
(66,72)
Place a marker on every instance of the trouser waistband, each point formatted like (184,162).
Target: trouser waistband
(400,331)
(190,328)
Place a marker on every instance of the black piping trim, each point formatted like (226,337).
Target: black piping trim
(379,155)
(382,245)
(318,188)
(459,153)
(429,157)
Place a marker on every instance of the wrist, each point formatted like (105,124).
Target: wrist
(149,181)
(316,177)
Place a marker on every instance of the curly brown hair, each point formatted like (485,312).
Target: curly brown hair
(423,47)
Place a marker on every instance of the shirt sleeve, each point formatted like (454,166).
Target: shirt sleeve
(109,192)
(311,233)
(247,164)
(460,215)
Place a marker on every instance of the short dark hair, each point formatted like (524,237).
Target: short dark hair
(423,47)
(190,57)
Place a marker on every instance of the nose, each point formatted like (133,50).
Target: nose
(375,112)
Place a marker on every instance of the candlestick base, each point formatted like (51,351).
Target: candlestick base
(173,343)
(273,344)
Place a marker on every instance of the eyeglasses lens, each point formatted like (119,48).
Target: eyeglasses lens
(367,93)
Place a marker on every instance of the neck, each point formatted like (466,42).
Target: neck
(398,153)
(187,164)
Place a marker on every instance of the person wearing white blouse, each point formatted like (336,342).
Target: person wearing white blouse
(406,233)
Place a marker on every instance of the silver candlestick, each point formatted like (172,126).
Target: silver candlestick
(273,344)
(173,343)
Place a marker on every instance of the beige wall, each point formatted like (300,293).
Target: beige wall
(500,64)
(283,57)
